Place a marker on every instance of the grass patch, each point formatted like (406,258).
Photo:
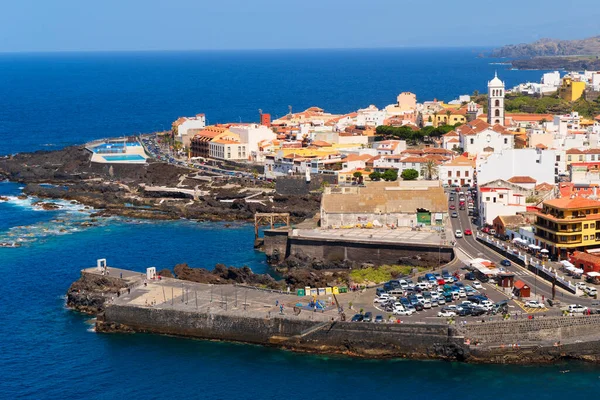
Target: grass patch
(382,274)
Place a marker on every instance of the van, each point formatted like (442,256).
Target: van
(396,292)
(591,291)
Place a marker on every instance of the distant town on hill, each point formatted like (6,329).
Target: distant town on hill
(549,54)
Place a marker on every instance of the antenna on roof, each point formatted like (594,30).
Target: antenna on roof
(260,112)
(290,108)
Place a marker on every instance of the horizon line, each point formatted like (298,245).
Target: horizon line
(248,49)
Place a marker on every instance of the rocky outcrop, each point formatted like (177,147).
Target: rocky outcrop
(223,275)
(89,293)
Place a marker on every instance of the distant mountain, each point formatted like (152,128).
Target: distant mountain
(550,47)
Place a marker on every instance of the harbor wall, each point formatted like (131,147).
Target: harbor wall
(368,340)
(278,245)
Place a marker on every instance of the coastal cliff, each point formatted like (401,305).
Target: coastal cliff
(550,47)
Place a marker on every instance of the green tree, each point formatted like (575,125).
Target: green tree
(410,174)
(390,175)
(448,114)
(375,176)
(358,177)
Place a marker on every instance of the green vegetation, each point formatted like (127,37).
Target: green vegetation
(410,135)
(551,104)
(381,274)
(410,174)
(389,175)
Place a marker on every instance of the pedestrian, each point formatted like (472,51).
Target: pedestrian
(145,282)
(121,275)
(276,303)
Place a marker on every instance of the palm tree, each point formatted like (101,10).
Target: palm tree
(430,170)
(448,114)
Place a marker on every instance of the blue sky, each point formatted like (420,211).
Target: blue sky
(76,25)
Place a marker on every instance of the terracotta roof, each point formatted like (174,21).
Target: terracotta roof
(522,179)
(321,143)
(453,141)
(519,285)
(461,161)
(544,187)
(356,157)
(567,202)
(451,133)
(585,257)
(541,146)
(575,151)
(512,220)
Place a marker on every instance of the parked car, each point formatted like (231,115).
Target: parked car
(454,215)
(446,313)
(576,309)
(534,304)
(379,319)
(357,318)
(452,207)
(477,285)
(591,291)
(368,317)
(458,233)
(402,312)
(505,263)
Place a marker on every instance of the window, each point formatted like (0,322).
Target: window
(501,196)
(585,226)
(595,211)
(472,141)
(557,158)
(585,237)
(458,174)
(487,199)
(587,211)
(497,105)
(568,158)
(449,174)
(505,140)
(497,113)
(466,173)
(593,157)
(580,158)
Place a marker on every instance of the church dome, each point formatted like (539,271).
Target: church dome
(496,82)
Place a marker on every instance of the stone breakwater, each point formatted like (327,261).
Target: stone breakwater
(248,315)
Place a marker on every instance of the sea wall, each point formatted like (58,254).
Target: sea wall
(366,340)
(279,245)
(297,185)
(540,329)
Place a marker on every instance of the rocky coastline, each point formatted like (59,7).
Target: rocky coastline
(123,189)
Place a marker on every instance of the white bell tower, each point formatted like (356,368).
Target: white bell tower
(495,101)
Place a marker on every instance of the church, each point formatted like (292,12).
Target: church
(479,136)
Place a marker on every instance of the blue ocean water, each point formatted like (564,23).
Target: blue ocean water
(51,100)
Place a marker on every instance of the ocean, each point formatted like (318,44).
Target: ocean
(49,101)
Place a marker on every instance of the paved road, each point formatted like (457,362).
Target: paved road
(473,249)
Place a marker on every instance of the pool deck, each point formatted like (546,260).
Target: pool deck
(131,150)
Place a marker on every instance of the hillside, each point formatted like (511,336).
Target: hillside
(550,47)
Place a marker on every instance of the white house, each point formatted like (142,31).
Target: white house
(183,125)
(370,116)
(493,202)
(460,171)
(535,163)
(252,134)
(389,147)
(228,150)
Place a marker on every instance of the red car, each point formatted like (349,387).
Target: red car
(452,207)
(468,232)
(485,230)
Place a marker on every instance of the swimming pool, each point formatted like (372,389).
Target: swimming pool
(125,157)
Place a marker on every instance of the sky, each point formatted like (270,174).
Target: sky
(116,25)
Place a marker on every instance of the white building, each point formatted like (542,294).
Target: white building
(495,101)
(493,202)
(478,137)
(551,79)
(184,124)
(370,116)
(535,163)
(228,150)
(460,171)
(252,134)
(562,124)
(389,147)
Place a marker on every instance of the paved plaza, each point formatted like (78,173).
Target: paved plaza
(399,235)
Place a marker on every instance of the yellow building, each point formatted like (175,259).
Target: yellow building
(565,225)
(571,90)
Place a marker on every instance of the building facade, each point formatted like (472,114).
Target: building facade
(495,101)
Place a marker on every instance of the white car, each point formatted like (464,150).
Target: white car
(487,304)
(441,301)
(462,293)
(581,285)
(446,313)
(591,291)
(403,312)
(576,309)
(476,285)
(458,233)
(427,304)
(534,304)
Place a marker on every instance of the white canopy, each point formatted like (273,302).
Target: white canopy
(566,264)
(544,251)
(534,247)
(593,274)
(578,271)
